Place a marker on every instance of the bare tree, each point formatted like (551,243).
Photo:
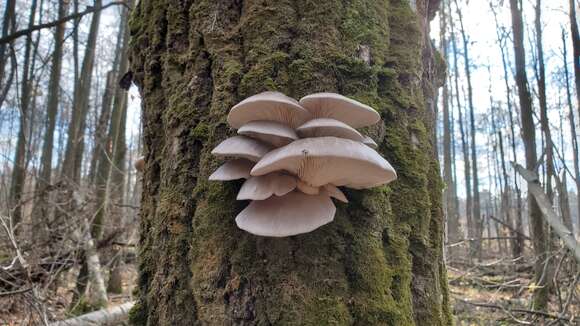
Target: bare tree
(529,138)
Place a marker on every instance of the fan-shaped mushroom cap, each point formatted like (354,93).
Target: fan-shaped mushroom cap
(242,146)
(292,214)
(264,186)
(140,164)
(370,142)
(306,188)
(323,160)
(270,106)
(271,132)
(334,192)
(232,170)
(342,108)
(322,127)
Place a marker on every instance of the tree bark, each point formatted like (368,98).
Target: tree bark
(575,51)
(539,239)
(477,222)
(19,169)
(380,261)
(40,210)
(573,137)
(453,228)
(464,142)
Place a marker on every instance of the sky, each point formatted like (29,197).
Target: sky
(487,71)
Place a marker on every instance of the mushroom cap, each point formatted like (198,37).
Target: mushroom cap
(270,106)
(342,108)
(291,214)
(241,146)
(323,127)
(370,142)
(306,188)
(231,170)
(333,191)
(140,164)
(264,186)
(322,160)
(271,132)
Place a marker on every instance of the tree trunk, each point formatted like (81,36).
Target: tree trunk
(75,142)
(453,229)
(464,143)
(19,170)
(116,178)
(40,210)
(7,26)
(575,51)
(539,239)
(517,229)
(475,248)
(574,139)
(380,261)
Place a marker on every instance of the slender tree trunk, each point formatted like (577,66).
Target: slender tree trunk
(529,138)
(477,221)
(117,169)
(75,142)
(573,136)
(464,143)
(7,26)
(453,230)
(40,210)
(575,51)
(19,169)
(381,257)
(518,245)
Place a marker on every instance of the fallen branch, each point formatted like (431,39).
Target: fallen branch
(549,216)
(111,316)
(516,310)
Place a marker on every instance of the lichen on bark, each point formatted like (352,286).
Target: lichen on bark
(380,261)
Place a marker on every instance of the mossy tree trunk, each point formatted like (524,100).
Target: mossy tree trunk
(380,261)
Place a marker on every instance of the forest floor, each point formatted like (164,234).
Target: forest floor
(487,293)
(491,294)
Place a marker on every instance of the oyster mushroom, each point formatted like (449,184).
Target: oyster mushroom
(291,214)
(265,186)
(269,106)
(323,160)
(241,146)
(270,132)
(341,108)
(370,142)
(322,127)
(233,170)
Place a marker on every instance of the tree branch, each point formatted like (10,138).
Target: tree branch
(34,28)
(549,216)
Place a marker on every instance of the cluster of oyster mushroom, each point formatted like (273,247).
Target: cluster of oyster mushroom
(294,156)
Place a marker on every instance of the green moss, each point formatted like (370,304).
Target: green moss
(195,264)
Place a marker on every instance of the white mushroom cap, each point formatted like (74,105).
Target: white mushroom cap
(322,127)
(241,146)
(140,164)
(323,160)
(334,192)
(342,108)
(232,170)
(271,132)
(264,186)
(270,106)
(370,142)
(292,214)
(306,188)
